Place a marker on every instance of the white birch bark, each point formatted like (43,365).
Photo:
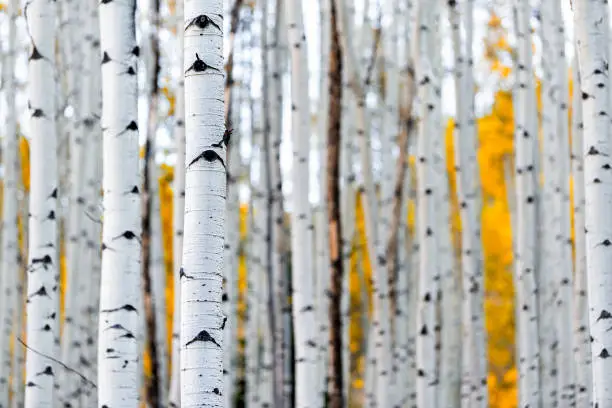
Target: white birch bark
(563,239)
(178,215)
(548,336)
(303,307)
(120,285)
(426,218)
(591,25)
(525,145)
(10,256)
(42,329)
(202,320)
(581,337)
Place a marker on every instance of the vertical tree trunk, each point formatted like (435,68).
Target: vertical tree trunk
(525,146)
(202,321)
(120,295)
(426,218)
(178,208)
(581,338)
(42,328)
(10,260)
(335,380)
(591,25)
(303,306)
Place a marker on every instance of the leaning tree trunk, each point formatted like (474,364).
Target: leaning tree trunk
(301,218)
(591,25)
(202,320)
(119,325)
(10,265)
(42,329)
(525,147)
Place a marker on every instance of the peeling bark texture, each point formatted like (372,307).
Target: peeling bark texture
(174,396)
(202,319)
(591,27)
(42,329)
(10,256)
(525,264)
(303,307)
(581,337)
(120,285)
(335,379)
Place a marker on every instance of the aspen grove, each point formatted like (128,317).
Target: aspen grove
(305,203)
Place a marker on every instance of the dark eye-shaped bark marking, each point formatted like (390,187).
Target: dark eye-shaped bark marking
(204,337)
(47,371)
(136,51)
(129,235)
(106,58)
(131,127)
(126,308)
(40,292)
(44,261)
(53,193)
(35,55)
(226,139)
(38,113)
(224,321)
(210,156)
(202,21)
(200,66)
(182,274)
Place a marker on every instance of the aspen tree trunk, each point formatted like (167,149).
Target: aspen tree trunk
(581,338)
(178,208)
(42,329)
(202,321)
(335,380)
(348,230)
(322,240)
(563,239)
(91,260)
(10,260)
(279,237)
(18,360)
(119,326)
(591,25)
(232,111)
(153,276)
(525,145)
(550,252)
(74,136)
(303,307)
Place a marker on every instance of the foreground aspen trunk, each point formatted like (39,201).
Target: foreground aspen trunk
(119,325)
(301,217)
(42,329)
(202,320)
(525,264)
(591,25)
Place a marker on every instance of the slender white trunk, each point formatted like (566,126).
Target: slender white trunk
(120,285)
(581,338)
(303,306)
(42,328)
(525,146)
(548,336)
(591,25)
(202,320)
(178,217)
(10,265)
